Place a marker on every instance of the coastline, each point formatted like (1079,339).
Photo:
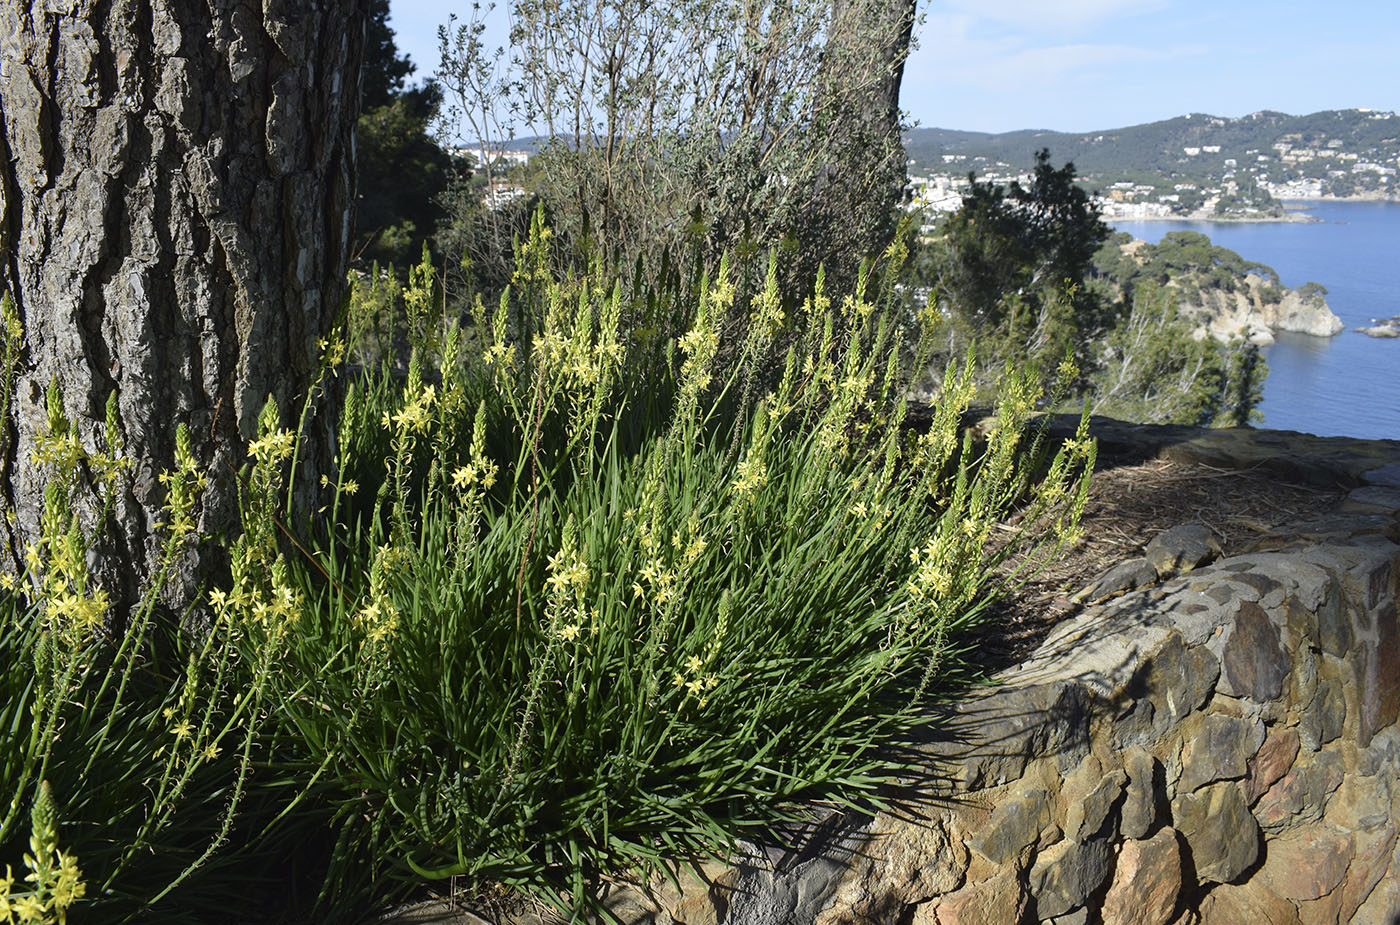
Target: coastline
(1294,217)
(1295,211)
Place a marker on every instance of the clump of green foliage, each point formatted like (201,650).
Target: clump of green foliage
(578,598)
(140,739)
(606,619)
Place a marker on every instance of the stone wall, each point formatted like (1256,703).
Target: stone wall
(1218,747)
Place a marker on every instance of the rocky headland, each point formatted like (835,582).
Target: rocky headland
(1257,309)
(1224,294)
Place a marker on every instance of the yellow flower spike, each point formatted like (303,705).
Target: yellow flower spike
(463,476)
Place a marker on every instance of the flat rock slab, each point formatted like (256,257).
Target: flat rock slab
(1373,499)
(1222,834)
(1182,549)
(1146,881)
(1383,475)
(1122,578)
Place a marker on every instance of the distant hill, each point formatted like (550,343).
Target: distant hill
(1341,153)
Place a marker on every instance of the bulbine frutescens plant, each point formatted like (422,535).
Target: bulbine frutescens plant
(563,621)
(139,738)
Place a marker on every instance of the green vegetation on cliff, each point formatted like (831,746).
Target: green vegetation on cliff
(1187,259)
(1019,275)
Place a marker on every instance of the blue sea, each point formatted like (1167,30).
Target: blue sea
(1348,385)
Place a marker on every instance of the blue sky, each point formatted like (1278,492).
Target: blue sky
(1079,65)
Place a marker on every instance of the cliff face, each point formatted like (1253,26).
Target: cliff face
(1257,309)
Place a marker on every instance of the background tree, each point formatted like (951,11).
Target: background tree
(1151,367)
(402,169)
(1030,273)
(853,194)
(384,71)
(175,218)
(769,123)
(1013,263)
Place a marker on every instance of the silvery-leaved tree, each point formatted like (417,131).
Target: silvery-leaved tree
(769,120)
(176,181)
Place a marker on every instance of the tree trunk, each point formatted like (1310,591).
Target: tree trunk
(176,182)
(855,195)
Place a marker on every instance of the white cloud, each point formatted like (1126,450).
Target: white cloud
(963,76)
(950,51)
(1062,14)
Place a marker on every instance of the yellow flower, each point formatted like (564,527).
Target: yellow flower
(350,487)
(753,475)
(694,664)
(569,633)
(182,729)
(70,886)
(275,447)
(27,908)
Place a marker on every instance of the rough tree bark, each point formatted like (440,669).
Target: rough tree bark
(176,182)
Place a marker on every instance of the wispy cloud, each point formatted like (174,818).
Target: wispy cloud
(1065,14)
(968,75)
(952,51)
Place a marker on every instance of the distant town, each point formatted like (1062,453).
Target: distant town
(1195,166)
